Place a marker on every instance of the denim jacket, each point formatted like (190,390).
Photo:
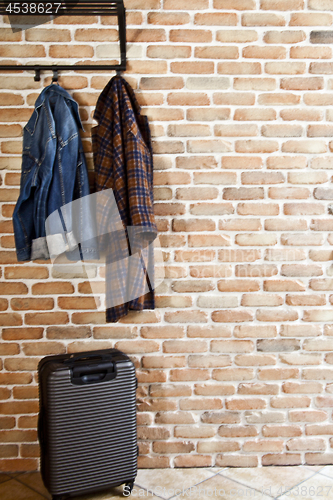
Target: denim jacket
(54,174)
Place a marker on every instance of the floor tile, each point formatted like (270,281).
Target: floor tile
(327,470)
(318,487)
(34,481)
(215,470)
(13,490)
(315,468)
(117,494)
(219,487)
(273,480)
(4,477)
(160,480)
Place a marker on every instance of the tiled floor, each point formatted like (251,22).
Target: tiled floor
(266,483)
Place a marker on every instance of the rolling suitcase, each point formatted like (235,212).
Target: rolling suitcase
(87,422)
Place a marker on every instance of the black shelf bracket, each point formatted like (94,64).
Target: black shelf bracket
(80,8)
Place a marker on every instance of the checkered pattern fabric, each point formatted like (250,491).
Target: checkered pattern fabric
(124,163)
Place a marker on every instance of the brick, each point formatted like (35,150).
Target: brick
(317,315)
(254,331)
(168,18)
(196,162)
(153,463)
(187,375)
(318,458)
(191,225)
(277,315)
(304,147)
(187,131)
(165,447)
(254,114)
(193,461)
(48,318)
(8,451)
(232,316)
(300,114)
(208,240)
(187,35)
(305,300)
(192,67)
(240,285)
(150,376)
(281,459)
(236,130)
(302,83)
(26,304)
(217,446)
(208,331)
(321,284)
(203,404)
(281,431)
(202,432)
(194,255)
(258,389)
(42,35)
(257,209)
(303,209)
(192,286)
(161,83)
(311,52)
(188,99)
(217,52)
(302,388)
(317,374)
(234,4)
(263,19)
(153,433)
(217,301)
(182,4)
(207,361)
(261,300)
(169,209)
(7,423)
(229,374)
(254,84)
(258,146)
(234,98)
(163,362)
(277,373)
(204,114)
(240,225)
(310,19)
(10,319)
(29,272)
(180,417)
(211,209)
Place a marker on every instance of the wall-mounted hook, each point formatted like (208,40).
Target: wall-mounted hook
(37,74)
(55,76)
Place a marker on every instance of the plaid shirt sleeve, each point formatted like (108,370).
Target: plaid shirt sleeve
(123,162)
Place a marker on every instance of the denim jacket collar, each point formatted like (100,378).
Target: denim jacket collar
(45,96)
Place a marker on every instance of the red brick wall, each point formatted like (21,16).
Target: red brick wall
(235,364)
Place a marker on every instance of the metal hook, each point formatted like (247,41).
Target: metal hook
(37,75)
(55,76)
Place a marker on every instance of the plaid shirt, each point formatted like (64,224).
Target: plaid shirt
(124,163)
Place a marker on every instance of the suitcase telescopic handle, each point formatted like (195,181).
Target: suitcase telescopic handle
(74,358)
(91,368)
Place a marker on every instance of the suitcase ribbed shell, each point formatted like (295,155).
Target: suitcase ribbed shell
(89,431)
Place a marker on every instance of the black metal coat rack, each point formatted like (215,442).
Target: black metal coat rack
(80,8)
